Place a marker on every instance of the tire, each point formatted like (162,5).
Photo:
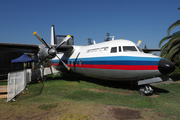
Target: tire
(141,89)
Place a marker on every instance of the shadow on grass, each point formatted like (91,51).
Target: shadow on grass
(157,90)
(106,83)
(31,91)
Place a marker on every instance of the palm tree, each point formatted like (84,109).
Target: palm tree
(171,50)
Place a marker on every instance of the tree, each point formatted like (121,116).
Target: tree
(107,37)
(145,47)
(89,41)
(171,50)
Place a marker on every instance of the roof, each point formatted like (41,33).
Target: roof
(22,59)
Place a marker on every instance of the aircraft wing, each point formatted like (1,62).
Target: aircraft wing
(30,48)
(65,48)
(150,50)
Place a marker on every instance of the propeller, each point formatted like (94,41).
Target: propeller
(139,42)
(41,39)
(51,69)
(68,68)
(65,40)
(48,52)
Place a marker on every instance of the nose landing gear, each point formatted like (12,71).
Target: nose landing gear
(146,90)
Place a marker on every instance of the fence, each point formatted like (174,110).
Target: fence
(50,70)
(17,81)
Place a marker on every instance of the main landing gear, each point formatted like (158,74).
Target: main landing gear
(146,90)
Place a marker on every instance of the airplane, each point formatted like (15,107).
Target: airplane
(117,60)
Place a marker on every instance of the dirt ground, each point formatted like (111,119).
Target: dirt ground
(125,114)
(79,111)
(107,113)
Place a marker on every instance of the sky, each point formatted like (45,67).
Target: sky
(145,20)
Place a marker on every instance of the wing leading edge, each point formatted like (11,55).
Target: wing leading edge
(30,48)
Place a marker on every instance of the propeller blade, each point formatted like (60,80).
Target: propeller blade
(68,68)
(42,72)
(39,63)
(52,35)
(65,39)
(41,39)
(139,42)
(51,70)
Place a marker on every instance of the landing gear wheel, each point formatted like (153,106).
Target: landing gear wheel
(145,90)
(141,91)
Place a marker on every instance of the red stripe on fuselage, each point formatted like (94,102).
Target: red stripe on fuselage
(54,64)
(118,67)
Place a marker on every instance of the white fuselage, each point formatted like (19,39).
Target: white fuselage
(118,60)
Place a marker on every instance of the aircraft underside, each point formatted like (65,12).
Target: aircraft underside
(118,75)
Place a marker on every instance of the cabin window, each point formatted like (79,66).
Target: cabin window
(113,49)
(119,48)
(140,50)
(68,62)
(72,62)
(129,48)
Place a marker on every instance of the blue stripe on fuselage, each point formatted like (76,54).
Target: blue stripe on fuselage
(119,60)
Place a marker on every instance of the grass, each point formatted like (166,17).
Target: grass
(3,82)
(175,75)
(73,97)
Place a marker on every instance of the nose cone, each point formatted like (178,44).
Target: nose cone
(165,66)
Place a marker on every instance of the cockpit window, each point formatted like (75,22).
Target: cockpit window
(140,50)
(129,48)
(113,49)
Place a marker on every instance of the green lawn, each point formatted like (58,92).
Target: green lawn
(72,97)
